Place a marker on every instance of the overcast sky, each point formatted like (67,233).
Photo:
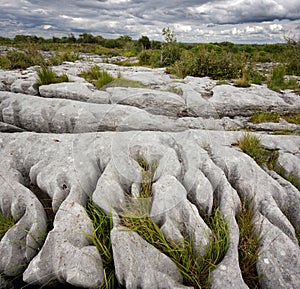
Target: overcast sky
(239,21)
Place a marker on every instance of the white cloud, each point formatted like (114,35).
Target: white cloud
(210,20)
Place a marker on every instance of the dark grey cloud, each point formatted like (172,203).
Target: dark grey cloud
(193,20)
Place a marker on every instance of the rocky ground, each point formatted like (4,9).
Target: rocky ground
(69,142)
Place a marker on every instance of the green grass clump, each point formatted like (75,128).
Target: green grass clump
(288,176)
(97,77)
(260,117)
(101,238)
(121,81)
(251,145)
(277,81)
(248,245)
(47,76)
(292,118)
(6,222)
(136,217)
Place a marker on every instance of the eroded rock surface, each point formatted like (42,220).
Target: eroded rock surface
(72,142)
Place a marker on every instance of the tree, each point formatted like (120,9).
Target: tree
(144,42)
(170,51)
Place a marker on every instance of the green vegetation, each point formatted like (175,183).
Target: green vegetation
(260,117)
(6,222)
(47,76)
(277,82)
(248,245)
(97,77)
(235,63)
(102,79)
(101,239)
(14,59)
(135,216)
(251,145)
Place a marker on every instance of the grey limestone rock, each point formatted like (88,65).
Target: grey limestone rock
(87,143)
(140,265)
(75,91)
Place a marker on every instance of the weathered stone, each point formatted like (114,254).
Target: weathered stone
(155,102)
(73,259)
(231,101)
(75,91)
(26,86)
(140,265)
(198,167)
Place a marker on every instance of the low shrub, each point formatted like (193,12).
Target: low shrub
(14,59)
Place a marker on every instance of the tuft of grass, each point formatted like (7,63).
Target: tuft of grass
(251,145)
(248,245)
(243,82)
(47,76)
(298,236)
(135,216)
(277,81)
(292,118)
(289,177)
(97,77)
(6,222)
(101,239)
(125,82)
(260,117)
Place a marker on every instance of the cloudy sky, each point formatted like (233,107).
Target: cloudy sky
(239,21)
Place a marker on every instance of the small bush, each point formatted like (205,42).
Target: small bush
(14,59)
(6,222)
(47,76)
(61,57)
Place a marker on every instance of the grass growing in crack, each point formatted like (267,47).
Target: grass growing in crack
(97,77)
(102,226)
(248,245)
(135,216)
(260,117)
(298,236)
(251,145)
(47,76)
(6,222)
(288,176)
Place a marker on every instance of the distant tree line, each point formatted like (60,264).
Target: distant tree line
(143,43)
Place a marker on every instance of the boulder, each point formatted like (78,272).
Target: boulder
(76,91)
